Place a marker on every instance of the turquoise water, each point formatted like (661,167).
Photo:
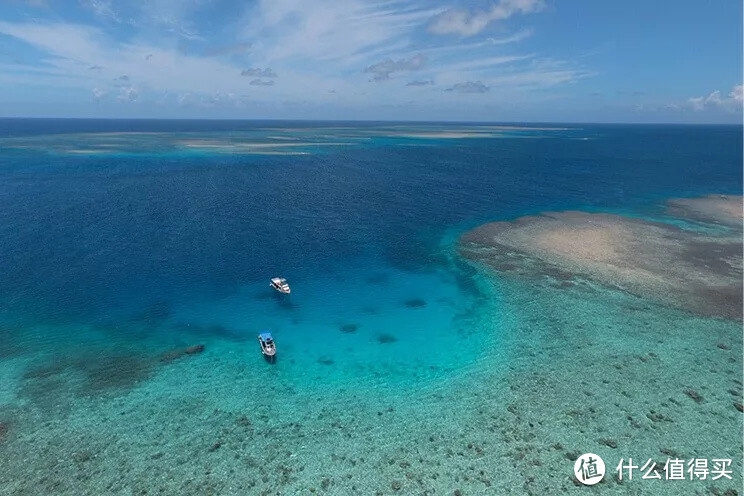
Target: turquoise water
(401,368)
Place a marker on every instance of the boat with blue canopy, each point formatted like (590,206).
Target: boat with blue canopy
(268,348)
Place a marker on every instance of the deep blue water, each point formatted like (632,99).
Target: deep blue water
(82,232)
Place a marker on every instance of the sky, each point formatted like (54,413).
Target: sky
(476,60)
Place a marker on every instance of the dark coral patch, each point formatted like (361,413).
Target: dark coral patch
(697,397)
(349,328)
(415,303)
(325,361)
(386,338)
(52,385)
(171,355)
(46,371)
(116,372)
(4,429)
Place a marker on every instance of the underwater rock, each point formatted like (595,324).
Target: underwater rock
(349,328)
(325,361)
(193,350)
(657,417)
(694,395)
(4,429)
(415,303)
(609,442)
(82,456)
(169,356)
(386,338)
(215,446)
(671,453)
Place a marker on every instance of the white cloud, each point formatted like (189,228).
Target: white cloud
(736,94)
(258,72)
(72,49)
(68,41)
(469,87)
(465,23)
(714,101)
(98,93)
(128,94)
(173,15)
(323,51)
(420,83)
(381,71)
(518,36)
(102,8)
(484,63)
(326,30)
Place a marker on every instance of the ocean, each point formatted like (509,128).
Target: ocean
(401,367)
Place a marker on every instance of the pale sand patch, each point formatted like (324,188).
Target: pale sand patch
(719,209)
(698,272)
(86,152)
(445,135)
(227,145)
(590,244)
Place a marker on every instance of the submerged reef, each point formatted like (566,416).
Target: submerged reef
(349,328)
(717,209)
(696,270)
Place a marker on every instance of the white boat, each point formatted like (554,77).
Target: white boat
(280,284)
(268,348)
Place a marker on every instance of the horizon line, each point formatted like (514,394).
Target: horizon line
(414,121)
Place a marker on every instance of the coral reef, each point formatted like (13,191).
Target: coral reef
(696,271)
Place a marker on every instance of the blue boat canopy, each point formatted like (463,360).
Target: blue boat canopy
(266,335)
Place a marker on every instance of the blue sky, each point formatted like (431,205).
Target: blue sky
(497,60)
